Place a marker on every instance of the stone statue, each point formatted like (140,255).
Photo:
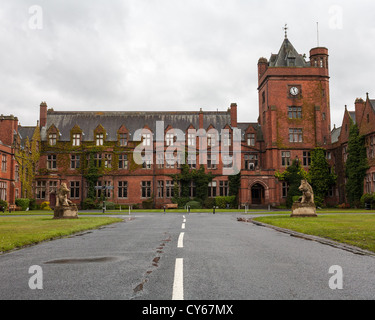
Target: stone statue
(307,192)
(305,206)
(64,209)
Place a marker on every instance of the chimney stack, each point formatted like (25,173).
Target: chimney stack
(43,114)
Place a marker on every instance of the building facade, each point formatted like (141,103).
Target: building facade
(82,148)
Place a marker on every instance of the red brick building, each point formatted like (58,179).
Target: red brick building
(9,173)
(294,118)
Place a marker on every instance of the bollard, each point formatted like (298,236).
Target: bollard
(213,211)
(164,209)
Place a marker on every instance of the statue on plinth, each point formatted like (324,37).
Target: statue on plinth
(305,206)
(64,209)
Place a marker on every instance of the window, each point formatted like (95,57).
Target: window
(211,161)
(146,189)
(211,139)
(224,188)
(40,189)
(169,189)
(51,162)
(323,116)
(251,161)
(107,160)
(123,161)
(345,153)
(74,189)
(169,137)
(251,139)
(74,161)
(212,189)
(147,161)
(98,160)
(169,160)
(52,139)
(284,189)
(146,138)
(191,139)
(192,161)
(227,138)
(3,190)
(103,189)
(4,163)
(285,158)
(295,135)
(160,190)
(192,189)
(160,160)
(295,112)
(263,97)
(122,189)
(123,139)
(227,161)
(52,186)
(99,139)
(306,158)
(17,174)
(76,139)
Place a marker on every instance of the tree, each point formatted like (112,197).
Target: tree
(320,175)
(293,176)
(356,166)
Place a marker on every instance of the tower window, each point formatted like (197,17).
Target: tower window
(295,112)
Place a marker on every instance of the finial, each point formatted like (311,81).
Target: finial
(286,31)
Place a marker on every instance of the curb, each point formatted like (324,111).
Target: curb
(331,243)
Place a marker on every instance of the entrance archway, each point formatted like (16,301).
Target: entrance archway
(257,194)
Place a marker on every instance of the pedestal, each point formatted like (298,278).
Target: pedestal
(303,210)
(66,212)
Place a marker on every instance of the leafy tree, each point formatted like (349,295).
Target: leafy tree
(356,166)
(319,175)
(293,176)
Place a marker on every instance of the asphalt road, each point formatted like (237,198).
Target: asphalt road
(185,256)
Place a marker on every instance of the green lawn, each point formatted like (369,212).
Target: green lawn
(19,231)
(354,229)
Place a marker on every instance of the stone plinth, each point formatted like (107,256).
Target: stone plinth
(303,210)
(66,212)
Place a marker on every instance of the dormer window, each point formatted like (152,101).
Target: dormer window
(99,139)
(169,139)
(251,139)
(123,139)
(76,137)
(52,138)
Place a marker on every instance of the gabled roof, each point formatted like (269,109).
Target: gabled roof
(24,133)
(113,120)
(335,134)
(287,51)
(258,129)
(372,104)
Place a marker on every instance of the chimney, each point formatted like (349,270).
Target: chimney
(359,108)
(262,67)
(233,115)
(201,119)
(43,114)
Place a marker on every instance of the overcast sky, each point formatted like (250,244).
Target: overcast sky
(173,55)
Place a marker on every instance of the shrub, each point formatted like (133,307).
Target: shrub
(209,203)
(147,204)
(194,204)
(367,198)
(32,204)
(222,202)
(23,203)
(3,204)
(182,201)
(45,206)
(89,204)
(108,205)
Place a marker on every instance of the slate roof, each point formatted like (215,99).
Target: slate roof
(112,121)
(373,104)
(335,134)
(287,51)
(24,133)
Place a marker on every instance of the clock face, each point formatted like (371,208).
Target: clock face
(294,91)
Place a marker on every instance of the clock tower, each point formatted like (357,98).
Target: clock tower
(294,110)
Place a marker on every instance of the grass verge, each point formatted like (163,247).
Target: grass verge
(16,232)
(354,229)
